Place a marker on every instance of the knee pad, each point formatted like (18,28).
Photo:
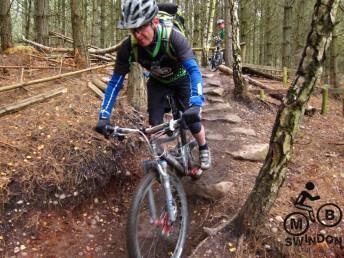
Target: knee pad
(195,127)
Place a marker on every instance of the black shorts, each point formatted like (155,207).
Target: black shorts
(157,102)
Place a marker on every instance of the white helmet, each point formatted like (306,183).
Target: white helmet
(136,13)
(220,21)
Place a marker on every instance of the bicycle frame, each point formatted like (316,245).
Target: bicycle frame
(153,137)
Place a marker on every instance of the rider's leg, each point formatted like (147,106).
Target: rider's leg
(156,101)
(197,129)
(200,137)
(307,208)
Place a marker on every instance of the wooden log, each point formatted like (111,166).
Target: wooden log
(268,68)
(229,71)
(32,67)
(276,95)
(96,51)
(52,60)
(101,85)
(96,90)
(225,69)
(61,36)
(45,48)
(102,57)
(268,91)
(67,39)
(10,87)
(35,99)
(107,50)
(250,70)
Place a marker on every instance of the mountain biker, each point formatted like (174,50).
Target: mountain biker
(221,26)
(303,196)
(179,75)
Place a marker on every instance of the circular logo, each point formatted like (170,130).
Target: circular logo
(329,215)
(296,223)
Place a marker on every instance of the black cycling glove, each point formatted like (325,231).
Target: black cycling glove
(101,126)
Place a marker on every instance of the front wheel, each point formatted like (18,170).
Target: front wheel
(148,231)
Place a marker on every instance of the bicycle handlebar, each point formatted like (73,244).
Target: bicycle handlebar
(171,126)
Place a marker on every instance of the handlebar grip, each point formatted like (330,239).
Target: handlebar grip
(109,129)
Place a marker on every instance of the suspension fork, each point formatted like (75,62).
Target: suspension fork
(165,180)
(161,166)
(147,166)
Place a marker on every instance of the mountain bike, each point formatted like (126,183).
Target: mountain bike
(217,57)
(158,217)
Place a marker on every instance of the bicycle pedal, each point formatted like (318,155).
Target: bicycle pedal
(166,231)
(196,173)
(157,222)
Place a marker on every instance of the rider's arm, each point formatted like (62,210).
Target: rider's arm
(196,98)
(116,82)
(317,197)
(112,90)
(185,55)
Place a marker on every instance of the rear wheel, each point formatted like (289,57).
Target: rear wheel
(152,236)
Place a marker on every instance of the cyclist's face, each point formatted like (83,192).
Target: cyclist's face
(145,34)
(221,25)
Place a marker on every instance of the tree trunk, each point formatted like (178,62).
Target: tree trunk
(137,93)
(112,24)
(197,28)
(240,87)
(210,27)
(272,174)
(5,24)
(63,13)
(298,31)
(42,21)
(267,34)
(28,19)
(261,50)
(333,59)
(244,27)
(119,33)
(102,23)
(203,29)
(286,45)
(94,22)
(228,55)
(255,42)
(85,16)
(197,24)
(79,43)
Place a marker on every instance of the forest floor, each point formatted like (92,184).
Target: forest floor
(66,191)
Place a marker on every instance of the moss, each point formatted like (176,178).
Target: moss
(20,50)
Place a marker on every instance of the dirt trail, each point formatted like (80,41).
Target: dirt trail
(97,227)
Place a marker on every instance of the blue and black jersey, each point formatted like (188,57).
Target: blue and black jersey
(164,66)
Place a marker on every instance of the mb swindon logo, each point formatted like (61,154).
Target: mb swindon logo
(296,224)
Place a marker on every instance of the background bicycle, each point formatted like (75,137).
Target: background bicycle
(216,58)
